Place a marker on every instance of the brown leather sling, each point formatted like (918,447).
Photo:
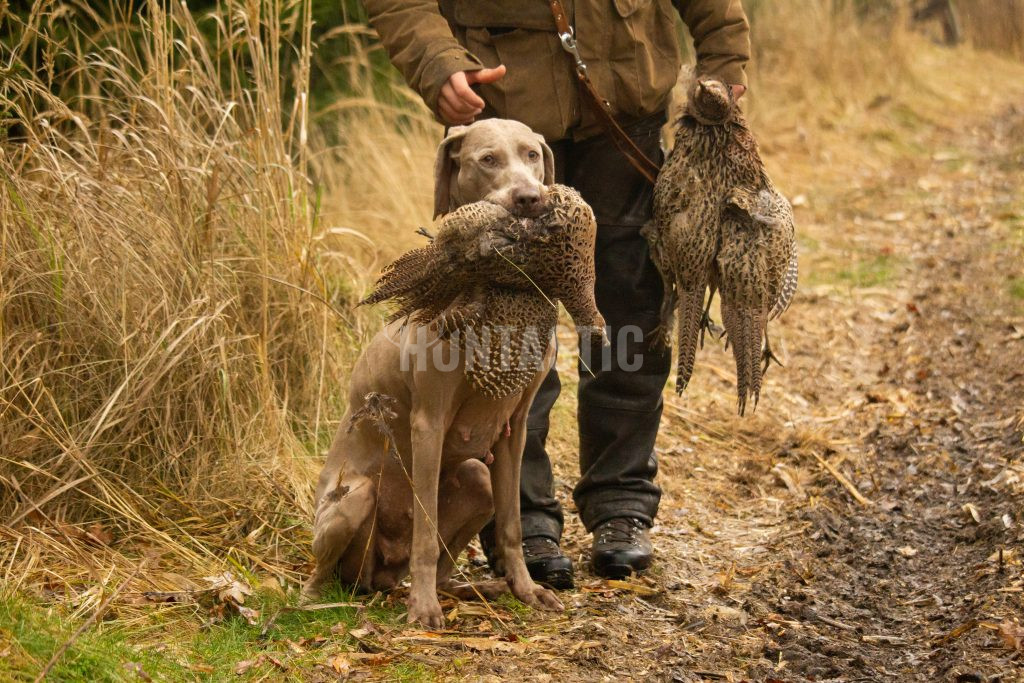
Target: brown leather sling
(601,107)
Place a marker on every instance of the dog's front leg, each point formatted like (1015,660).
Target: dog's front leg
(508,460)
(427,441)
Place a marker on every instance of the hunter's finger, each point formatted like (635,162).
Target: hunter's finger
(456,103)
(460,84)
(451,117)
(486,75)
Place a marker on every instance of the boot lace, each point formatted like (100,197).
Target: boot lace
(624,530)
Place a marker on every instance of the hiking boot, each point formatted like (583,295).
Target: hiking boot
(621,547)
(544,560)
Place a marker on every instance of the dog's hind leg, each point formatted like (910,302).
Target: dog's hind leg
(339,515)
(465,504)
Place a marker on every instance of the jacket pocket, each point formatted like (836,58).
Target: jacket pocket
(505,14)
(538,88)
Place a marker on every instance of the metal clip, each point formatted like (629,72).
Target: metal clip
(569,45)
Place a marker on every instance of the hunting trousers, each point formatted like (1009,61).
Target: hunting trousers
(620,403)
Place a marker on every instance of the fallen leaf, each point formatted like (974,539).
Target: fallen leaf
(271,583)
(479,644)
(340,664)
(1012,635)
(100,534)
(907,551)
(228,588)
(959,631)
(970,509)
(1004,556)
(250,615)
(243,666)
(585,645)
(473,609)
(724,614)
(631,587)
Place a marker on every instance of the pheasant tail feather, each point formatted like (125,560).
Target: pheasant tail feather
(745,328)
(689,323)
(409,272)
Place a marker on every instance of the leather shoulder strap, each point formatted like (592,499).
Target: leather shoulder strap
(601,107)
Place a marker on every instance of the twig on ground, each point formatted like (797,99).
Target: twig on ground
(858,496)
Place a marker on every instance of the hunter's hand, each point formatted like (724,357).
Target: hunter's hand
(458,104)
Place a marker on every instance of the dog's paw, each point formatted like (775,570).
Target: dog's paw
(426,612)
(310,592)
(539,598)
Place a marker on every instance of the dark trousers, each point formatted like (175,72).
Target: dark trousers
(619,407)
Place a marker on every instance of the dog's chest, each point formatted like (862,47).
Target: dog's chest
(476,427)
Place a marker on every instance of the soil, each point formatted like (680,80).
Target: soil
(908,383)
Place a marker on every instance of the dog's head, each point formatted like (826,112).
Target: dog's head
(495,160)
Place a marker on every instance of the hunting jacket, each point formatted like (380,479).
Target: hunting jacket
(630,46)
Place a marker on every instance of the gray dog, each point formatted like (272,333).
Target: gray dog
(408,498)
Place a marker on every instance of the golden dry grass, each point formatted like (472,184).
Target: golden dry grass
(179,257)
(996,25)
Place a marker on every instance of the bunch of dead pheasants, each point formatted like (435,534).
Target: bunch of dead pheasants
(720,224)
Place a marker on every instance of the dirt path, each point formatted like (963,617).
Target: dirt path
(906,378)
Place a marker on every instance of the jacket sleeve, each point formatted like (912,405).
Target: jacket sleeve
(420,43)
(721,36)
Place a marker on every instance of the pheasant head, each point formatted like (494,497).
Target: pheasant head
(710,101)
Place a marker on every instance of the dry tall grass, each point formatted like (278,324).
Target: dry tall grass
(994,24)
(179,255)
(174,312)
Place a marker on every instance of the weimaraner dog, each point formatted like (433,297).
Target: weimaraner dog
(408,499)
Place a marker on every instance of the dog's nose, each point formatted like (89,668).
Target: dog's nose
(527,202)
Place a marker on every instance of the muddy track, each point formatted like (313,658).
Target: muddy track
(925,583)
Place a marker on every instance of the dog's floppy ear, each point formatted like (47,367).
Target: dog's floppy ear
(444,168)
(549,162)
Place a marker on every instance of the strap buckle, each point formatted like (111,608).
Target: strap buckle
(569,45)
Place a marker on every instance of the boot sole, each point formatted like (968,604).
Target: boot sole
(558,579)
(620,571)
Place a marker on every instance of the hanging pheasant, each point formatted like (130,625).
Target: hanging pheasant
(720,224)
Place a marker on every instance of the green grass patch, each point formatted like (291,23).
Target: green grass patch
(31,633)
(872,272)
(857,271)
(1016,288)
(177,650)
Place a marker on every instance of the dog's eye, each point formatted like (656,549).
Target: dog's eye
(488,159)
(532,155)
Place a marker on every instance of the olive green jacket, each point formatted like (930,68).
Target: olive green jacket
(630,46)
